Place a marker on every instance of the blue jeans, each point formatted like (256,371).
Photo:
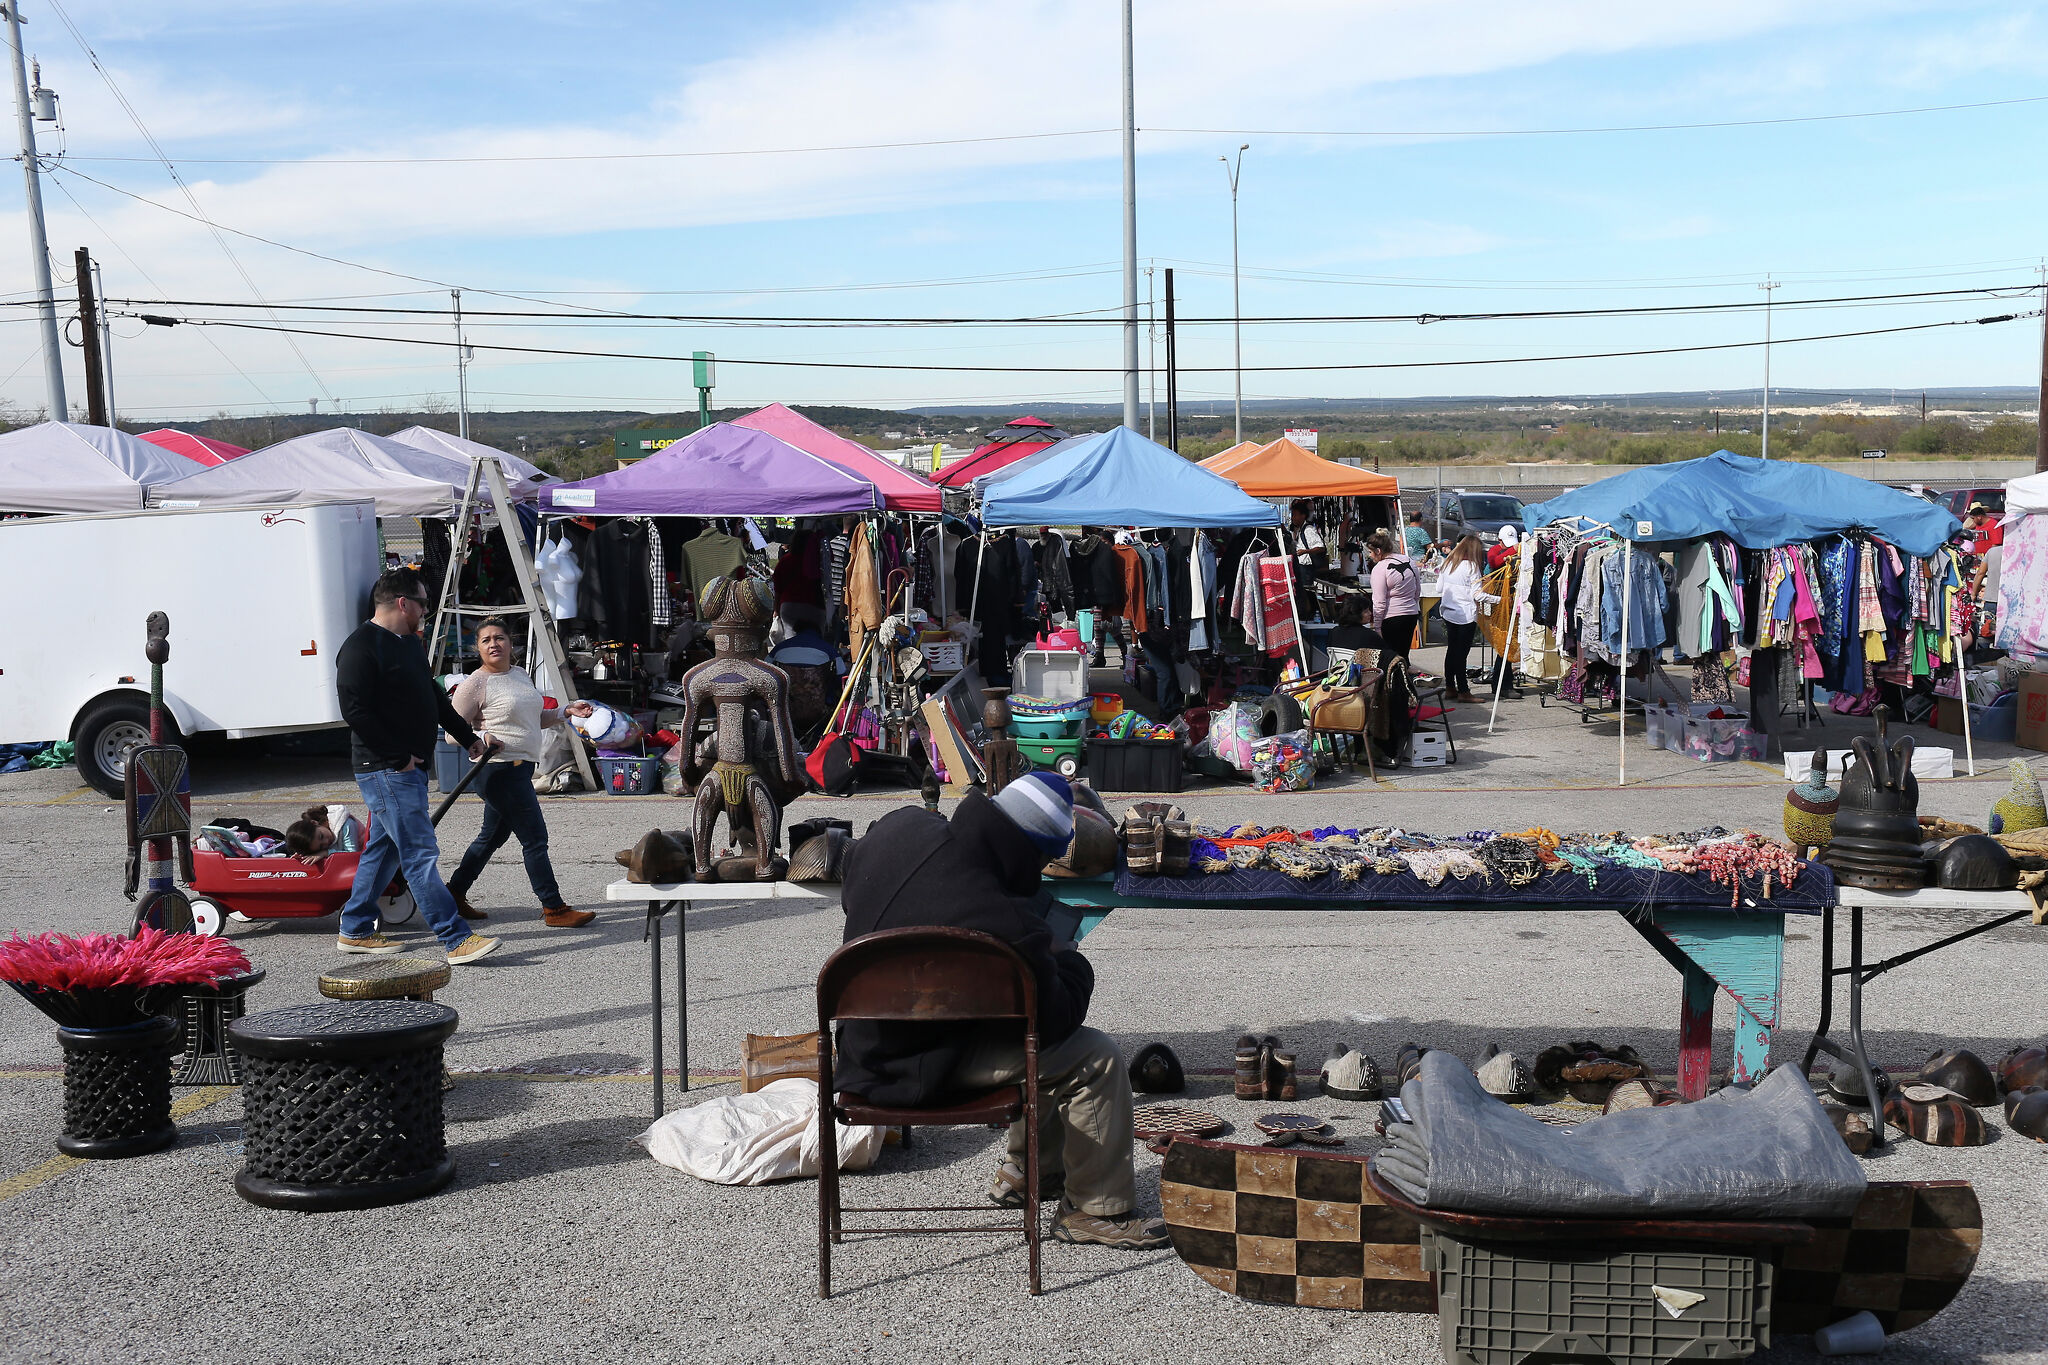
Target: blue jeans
(401,836)
(510,807)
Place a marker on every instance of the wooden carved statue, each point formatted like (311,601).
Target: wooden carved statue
(159,803)
(743,780)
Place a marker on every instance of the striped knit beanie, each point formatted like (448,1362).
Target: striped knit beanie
(1042,805)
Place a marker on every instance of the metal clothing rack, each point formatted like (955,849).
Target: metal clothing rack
(487,481)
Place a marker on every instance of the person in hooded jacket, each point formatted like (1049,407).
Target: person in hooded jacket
(980,870)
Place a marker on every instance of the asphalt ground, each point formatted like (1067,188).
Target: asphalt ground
(562,1240)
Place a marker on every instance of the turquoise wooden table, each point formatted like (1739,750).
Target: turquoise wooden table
(1715,951)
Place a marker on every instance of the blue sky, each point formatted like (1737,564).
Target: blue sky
(341,103)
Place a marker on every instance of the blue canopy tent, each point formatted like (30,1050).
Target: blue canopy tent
(1759,504)
(1118,478)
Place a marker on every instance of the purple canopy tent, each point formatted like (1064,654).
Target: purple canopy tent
(720,471)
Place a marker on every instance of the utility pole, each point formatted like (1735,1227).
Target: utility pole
(38,243)
(1130,230)
(461,371)
(89,341)
(1236,308)
(1172,373)
(1769,287)
(99,285)
(1151,360)
(2041,395)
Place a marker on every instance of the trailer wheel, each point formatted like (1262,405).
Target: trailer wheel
(106,735)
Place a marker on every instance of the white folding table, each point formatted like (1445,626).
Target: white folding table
(2003,907)
(660,898)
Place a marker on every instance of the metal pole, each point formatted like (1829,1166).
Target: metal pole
(1172,373)
(2040,394)
(1130,230)
(1621,686)
(38,243)
(1151,361)
(1236,309)
(461,371)
(1769,287)
(1439,502)
(106,342)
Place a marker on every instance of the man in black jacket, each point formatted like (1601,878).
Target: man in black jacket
(393,708)
(980,870)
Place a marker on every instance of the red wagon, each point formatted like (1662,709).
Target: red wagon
(245,889)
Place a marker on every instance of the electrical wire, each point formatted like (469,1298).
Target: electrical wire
(547,158)
(438,316)
(1104,369)
(178,180)
(65,190)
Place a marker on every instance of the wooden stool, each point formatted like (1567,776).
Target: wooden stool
(208,1058)
(386,978)
(342,1104)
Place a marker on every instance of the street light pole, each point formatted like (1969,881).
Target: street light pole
(1769,286)
(1234,170)
(461,371)
(1130,230)
(38,243)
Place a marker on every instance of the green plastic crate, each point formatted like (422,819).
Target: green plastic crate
(1511,1303)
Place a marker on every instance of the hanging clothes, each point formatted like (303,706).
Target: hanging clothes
(2022,605)
(1055,576)
(659,599)
(863,600)
(1247,601)
(1276,600)
(713,554)
(1131,564)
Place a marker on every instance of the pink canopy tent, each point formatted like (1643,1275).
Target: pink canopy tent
(1005,445)
(203,449)
(901,490)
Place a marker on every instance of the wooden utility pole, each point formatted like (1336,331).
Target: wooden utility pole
(2041,394)
(89,327)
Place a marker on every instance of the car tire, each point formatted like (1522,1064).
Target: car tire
(108,731)
(1280,715)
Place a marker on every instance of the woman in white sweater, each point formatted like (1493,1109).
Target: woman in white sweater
(502,705)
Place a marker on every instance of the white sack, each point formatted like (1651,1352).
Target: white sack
(771,1134)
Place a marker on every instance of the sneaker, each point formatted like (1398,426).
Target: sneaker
(472,948)
(1124,1231)
(1006,1190)
(375,944)
(566,916)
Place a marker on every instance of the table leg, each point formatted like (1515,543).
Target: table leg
(1695,1034)
(683,995)
(1870,1091)
(654,959)
(1827,989)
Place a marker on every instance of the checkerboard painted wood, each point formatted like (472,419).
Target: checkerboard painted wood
(1904,1255)
(1289,1227)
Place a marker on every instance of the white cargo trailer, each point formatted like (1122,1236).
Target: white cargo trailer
(260,598)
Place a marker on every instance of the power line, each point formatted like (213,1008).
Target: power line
(545,158)
(1097,369)
(178,180)
(436,316)
(65,190)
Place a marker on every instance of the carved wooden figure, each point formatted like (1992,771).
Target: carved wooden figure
(743,779)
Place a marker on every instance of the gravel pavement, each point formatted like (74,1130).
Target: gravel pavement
(561,1240)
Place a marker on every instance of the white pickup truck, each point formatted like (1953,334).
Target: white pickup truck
(259,601)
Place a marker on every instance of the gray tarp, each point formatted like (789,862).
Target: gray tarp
(1768,1153)
(327,466)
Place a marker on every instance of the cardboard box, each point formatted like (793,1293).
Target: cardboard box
(2031,729)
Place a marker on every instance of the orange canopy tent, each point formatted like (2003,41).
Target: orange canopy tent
(1284,470)
(1231,458)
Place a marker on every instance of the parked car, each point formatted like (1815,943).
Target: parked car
(1480,514)
(1958,500)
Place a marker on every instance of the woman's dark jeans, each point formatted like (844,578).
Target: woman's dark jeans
(510,807)
(1457,651)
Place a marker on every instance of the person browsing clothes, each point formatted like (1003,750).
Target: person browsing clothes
(502,703)
(393,708)
(980,870)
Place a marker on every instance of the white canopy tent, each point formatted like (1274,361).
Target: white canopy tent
(321,468)
(523,476)
(70,467)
